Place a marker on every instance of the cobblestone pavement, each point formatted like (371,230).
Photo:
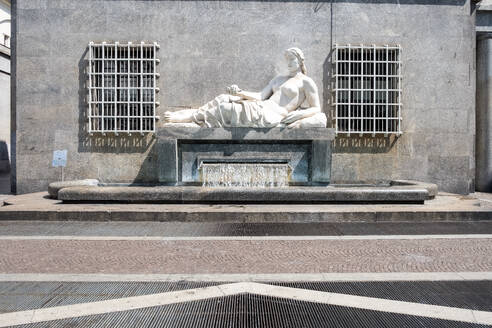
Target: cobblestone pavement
(198,229)
(245,256)
(52,273)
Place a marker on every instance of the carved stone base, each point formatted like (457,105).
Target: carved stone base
(307,151)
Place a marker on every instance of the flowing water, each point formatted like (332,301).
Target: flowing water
(245,175)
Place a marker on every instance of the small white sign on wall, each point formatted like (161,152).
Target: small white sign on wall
(60,158)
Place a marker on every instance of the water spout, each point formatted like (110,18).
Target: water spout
(245,175)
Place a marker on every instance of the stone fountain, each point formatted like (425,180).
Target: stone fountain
(262,147)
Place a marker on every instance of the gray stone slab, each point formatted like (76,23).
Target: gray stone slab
(32,4)
(55,187)
(167,155)
(187,133)
(321,161)
(400,193)
(234,216)
(244,142)
(431,188)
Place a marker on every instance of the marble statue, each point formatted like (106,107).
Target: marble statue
(290,100)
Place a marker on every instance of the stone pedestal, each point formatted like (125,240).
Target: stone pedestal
(308,151)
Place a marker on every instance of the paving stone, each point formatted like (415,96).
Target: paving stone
(245,256)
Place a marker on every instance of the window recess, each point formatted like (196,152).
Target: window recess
(122,83)
(367,92)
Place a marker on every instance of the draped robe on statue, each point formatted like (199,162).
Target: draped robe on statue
(241,113)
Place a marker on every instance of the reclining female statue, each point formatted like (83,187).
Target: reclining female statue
(290,100)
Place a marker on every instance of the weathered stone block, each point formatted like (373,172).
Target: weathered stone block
(167,154)
(321,161)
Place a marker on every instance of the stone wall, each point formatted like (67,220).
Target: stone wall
(208,45)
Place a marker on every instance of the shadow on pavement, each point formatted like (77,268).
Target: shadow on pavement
(5,183)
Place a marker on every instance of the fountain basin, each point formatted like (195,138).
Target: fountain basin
(394,192)
(217,166)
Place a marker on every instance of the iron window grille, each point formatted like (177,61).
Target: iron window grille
(367,89)
(122,87)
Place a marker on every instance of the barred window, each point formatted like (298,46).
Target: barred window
(122,87)
(367,89)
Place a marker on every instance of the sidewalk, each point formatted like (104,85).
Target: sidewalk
(449,207)
(213,265)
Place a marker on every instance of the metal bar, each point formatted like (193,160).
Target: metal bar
(103,88)
(362,129)
(374,91)
(116,112)
(90,88)
(400,90)
(336,89)
(386,87)
(350,87)
(145,45)
(141,86)
(128,89)
(154,66)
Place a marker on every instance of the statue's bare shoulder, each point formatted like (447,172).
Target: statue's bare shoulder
(278,80)
(309,84)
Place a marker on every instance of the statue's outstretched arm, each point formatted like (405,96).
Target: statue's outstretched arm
(249,95)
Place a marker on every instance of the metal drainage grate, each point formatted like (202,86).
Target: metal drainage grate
(251,311)
(20,296)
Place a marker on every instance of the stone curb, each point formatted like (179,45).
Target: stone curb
(55,187)
(399,191)
(246,217)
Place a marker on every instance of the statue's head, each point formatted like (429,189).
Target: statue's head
(295,60)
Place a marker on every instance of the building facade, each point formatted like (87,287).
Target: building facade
(205,46)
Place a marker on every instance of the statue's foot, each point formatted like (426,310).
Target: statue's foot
(182,116)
